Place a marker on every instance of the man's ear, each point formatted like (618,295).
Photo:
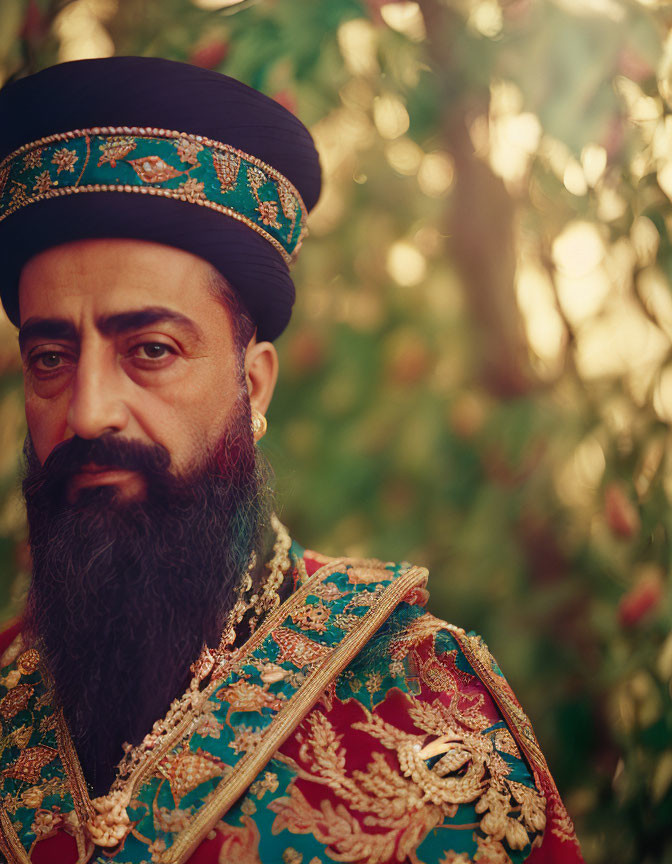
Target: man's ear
(261,373)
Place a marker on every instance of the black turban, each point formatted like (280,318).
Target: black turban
(227,173)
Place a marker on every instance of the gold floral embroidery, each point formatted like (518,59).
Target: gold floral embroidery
(192,190)
(346,620)
(248,807)
(19,197)
(188,150)
(43,183)
(65,159)
(33,159)
(505,743)
(268,211)
(226,167)
(339,829)
(115,149)
(208,727)
(495,805)
(20,736)
(365,598)
(4,174)
(563,827)
(491,851)
(34,795)
(364,575)
(328,592)
(46,823)
(246,697)
(312,616)
(465,768)
(28,661)
(256,179)
(15,700)
(153,169)
(245,739)
(172,820)
(30,763)
(297,648)
(156,849)
(289,204)
(268,783)
(189,769)
(455,858)
(374,682)
(241,844)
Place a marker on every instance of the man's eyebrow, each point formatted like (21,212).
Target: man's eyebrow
(122,322)
(46,328)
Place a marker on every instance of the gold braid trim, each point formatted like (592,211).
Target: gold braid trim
(286,721)
(480,659)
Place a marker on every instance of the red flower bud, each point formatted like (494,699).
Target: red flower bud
(621,514)
(209,54)
(642,598)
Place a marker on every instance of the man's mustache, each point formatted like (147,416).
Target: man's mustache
(109,451)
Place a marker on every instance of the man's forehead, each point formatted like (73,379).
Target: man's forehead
(113,277)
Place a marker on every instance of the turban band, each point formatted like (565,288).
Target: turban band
(152,161)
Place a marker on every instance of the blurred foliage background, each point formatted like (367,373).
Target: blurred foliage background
(478,376)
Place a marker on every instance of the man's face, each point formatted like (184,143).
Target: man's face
(127,337)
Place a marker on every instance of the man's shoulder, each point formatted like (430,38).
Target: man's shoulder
(426,683)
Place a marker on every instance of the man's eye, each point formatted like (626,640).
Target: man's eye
(47,360)
(152,351)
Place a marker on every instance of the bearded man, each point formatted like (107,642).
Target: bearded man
(187,683)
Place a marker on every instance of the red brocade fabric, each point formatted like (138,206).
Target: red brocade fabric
(417,753)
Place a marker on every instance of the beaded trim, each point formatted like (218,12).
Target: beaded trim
(161,162)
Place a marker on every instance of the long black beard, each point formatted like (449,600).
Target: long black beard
(124,594)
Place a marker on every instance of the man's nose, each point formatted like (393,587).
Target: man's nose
(96,403)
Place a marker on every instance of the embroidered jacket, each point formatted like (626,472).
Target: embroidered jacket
(352,726)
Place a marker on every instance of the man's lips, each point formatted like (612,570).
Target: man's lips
(130,483)
(91,475)
(92,468)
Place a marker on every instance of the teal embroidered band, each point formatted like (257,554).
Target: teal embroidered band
(158,162)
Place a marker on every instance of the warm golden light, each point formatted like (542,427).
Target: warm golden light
(645,240)
(574,179)
(406,18)
(545,331)
(579,249)
(577,479)
(80,30)
(404,156)
(486,18)
(436,174)
(593,162)
(406,264)
(513,135)
(621,342)
(390,116)
(358,42)
(609,8)
(662,395)
(654,289)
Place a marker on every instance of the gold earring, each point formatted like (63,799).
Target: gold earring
(259,424)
